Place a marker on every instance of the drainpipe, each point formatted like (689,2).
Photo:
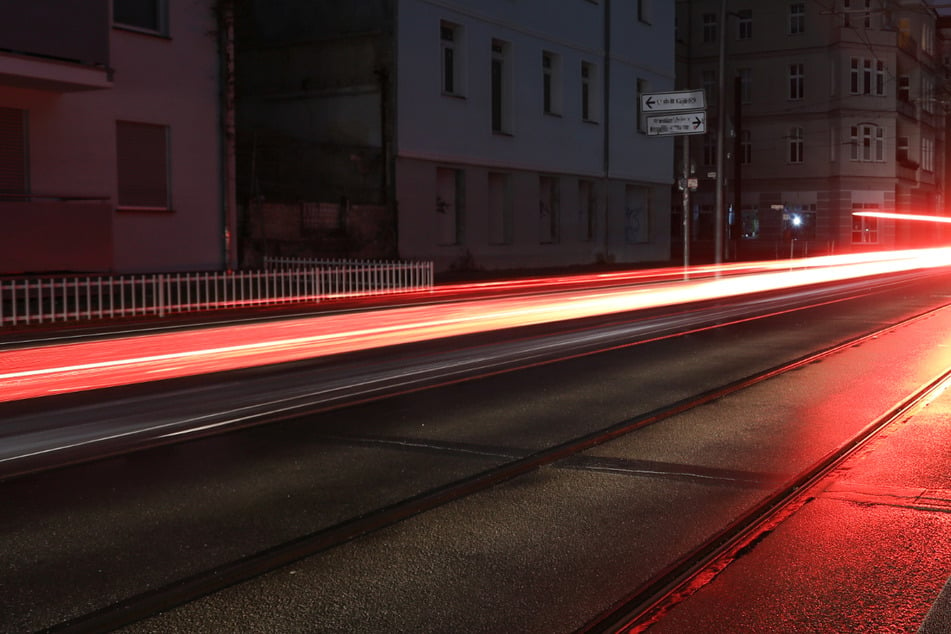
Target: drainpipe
(721,124)
(228,196)
(607,126)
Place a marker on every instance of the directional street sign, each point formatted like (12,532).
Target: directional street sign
(652,102)
(677,123)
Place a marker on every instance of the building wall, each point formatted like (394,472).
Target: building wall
(446,142)
(829,172)
(489,217)
(170,80)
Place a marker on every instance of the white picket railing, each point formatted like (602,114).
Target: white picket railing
(348,278)
(37,300)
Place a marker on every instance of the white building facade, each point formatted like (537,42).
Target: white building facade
(111,137)
(518,136)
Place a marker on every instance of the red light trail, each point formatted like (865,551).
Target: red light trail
(34,372)
(890,215)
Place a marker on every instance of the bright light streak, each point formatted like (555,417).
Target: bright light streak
(33,372)
(897,216)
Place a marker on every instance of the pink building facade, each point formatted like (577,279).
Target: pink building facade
(111,144)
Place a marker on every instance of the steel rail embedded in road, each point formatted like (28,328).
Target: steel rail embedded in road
(677,582)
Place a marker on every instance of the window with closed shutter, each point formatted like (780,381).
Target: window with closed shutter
(13,157)
(142,156)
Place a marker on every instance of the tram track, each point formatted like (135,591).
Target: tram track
(652,600)
(670,583)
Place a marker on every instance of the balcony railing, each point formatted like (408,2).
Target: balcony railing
(55,233)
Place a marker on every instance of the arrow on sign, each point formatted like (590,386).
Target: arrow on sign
(673,101)
(676,123)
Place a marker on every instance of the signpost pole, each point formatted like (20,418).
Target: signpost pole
(686,206)
(679,113)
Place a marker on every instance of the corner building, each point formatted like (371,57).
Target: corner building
(831,108)
(487,134)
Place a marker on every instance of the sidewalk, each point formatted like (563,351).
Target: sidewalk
(870,551)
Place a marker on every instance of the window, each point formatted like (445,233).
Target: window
(749,216)
(796,80)
(867,77)
(927,38)
(548,209)
(799,222)
(868,143)
(850,8)
(901,150)
(904,88)
(797,18)
(709,28)
(14,172)
(794,140)
(744,24)
(927,93)
(450,204)
(143,174)
(500,208)
(587,209)
(551,83)
(501,88)
(590,101)
(746,147)
(746,85)
(147,15)
(864,228)
(451,36)
(904,34)
(927,154)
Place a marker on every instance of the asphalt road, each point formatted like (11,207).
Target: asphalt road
(545,552)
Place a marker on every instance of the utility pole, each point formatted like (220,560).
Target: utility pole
(721,124)
(735,227)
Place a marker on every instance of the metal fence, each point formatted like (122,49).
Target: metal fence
(37,300)
(348,278)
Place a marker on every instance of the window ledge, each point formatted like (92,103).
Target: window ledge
(142,31)
(130,208)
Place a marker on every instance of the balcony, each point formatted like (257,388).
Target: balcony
(55,234)
(55,45)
